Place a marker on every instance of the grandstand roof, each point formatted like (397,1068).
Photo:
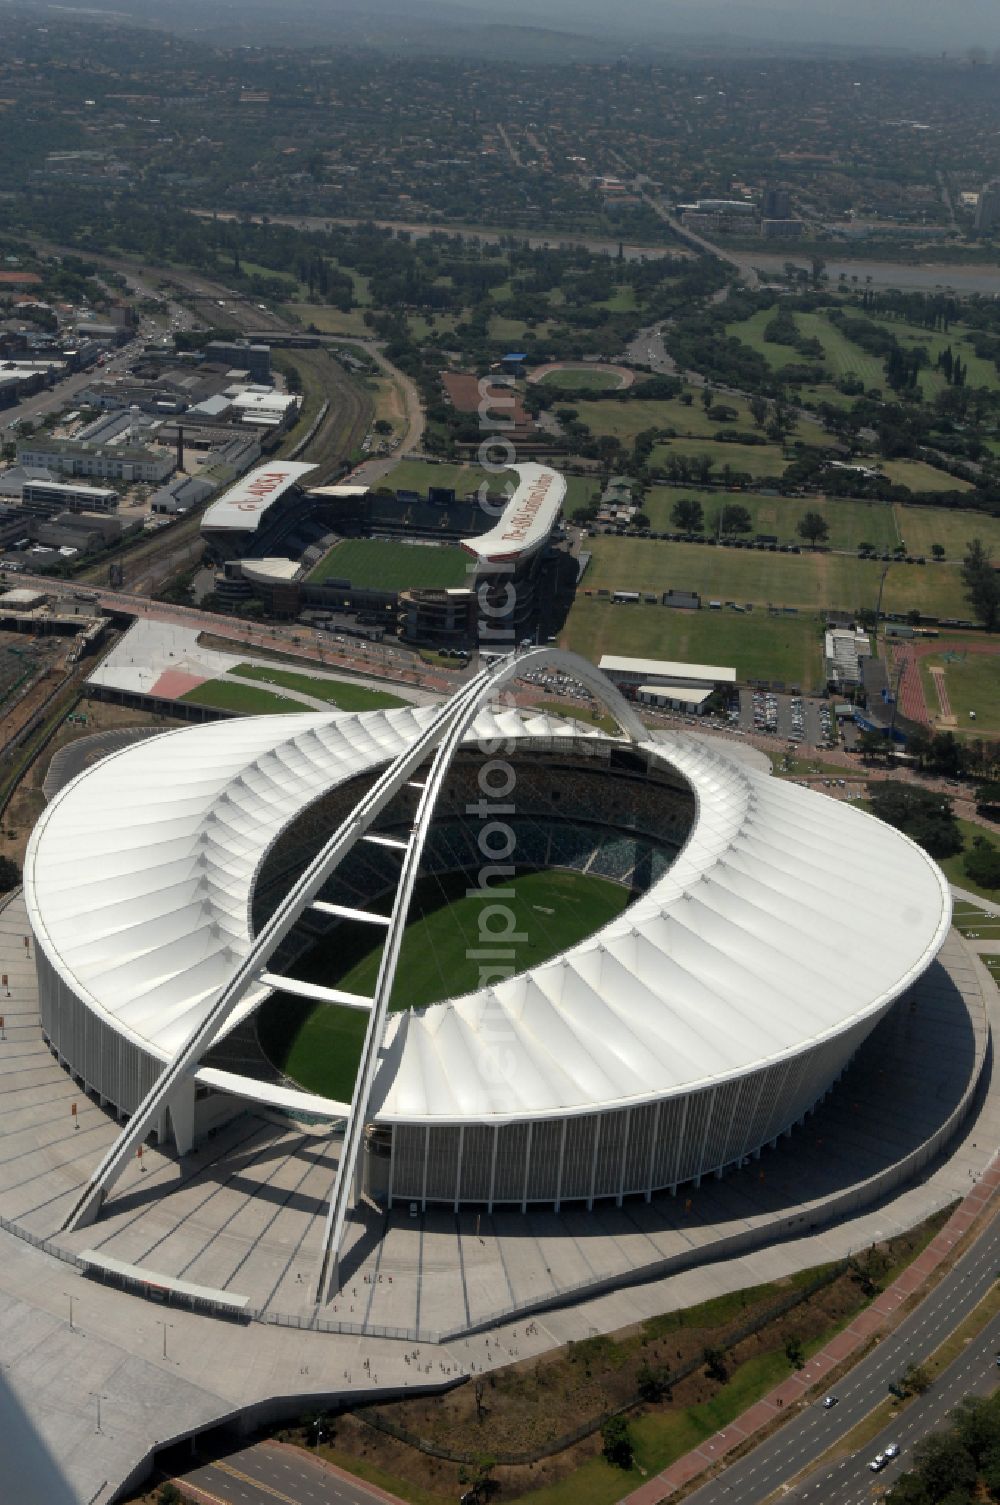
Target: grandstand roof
(786,919)
(243,505)
(665,669)
(526,521)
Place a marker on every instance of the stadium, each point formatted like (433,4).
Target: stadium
(602,966)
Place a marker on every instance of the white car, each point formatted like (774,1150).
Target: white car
(878,1463)
(892,1450)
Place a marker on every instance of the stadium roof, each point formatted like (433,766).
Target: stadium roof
(243,505)
(526,521)
(788,918)
(666,669)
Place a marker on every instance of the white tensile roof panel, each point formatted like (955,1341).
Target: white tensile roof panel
(526,521)
(787,918)
(244,504)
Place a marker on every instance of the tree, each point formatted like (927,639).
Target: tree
(982,583)
(688,515)
(982,863)
(616,1440)
(794,1352)
(814,528)
(921,814)
(988,800)
(873,745)
(937,550)
(10,874)
(735,519)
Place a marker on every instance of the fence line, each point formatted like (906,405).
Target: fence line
(665,1380)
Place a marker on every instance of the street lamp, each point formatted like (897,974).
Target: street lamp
(161,1323)
(70,1298)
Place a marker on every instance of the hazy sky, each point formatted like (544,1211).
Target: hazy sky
(941,24)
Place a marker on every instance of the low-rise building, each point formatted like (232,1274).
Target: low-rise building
(46,498)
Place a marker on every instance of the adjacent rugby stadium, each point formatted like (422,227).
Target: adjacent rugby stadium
(700,949)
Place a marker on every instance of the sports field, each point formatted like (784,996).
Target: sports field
(581,378)
(785,649)
(318,1044)
(340,694)
(624,419)
(972,683)
(388,566)
(850,522)
(922,527)
(922,477)
(755,460)
(841,357)
(808,581)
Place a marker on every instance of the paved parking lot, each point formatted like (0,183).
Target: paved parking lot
(794,718)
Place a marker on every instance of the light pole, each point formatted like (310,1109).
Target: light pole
(164,1325)
(98,1397)
(70,1298)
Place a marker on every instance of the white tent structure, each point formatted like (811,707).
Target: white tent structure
(704,1021)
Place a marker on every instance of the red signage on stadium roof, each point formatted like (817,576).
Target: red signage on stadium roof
(518,526)
(260,489)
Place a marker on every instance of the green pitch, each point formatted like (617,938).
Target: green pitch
(379,565)
(318,1045)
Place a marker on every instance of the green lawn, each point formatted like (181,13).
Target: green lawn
(972,681)
(784,649)
(318,1044)
(851,522)
(623,419)
(582,378)
(981,373)
(841,357)
(330,320)
(340,694)
(923,526)
(953,867)
(755,460)
(382,565)
(807,581)
(227,695)
(920,476)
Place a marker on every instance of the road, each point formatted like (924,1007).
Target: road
(268,1472)
(808,1435)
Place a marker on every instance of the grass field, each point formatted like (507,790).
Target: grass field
(972,681)
(228,695)
(841,357)
(329,320)
(808,581)
(755,460)
(923,526)
(922,477)
(318,1044)
(785,649)
(340,694)
(581,378)
(392,566)
(953,867)
(851,522)
(981,373)
(624,419)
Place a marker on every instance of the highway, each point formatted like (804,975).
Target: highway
(267,1472)
(808,1435)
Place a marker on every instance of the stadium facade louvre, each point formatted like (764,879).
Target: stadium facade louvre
(701,1024)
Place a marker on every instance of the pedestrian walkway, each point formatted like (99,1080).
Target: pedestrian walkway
(759,1417)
